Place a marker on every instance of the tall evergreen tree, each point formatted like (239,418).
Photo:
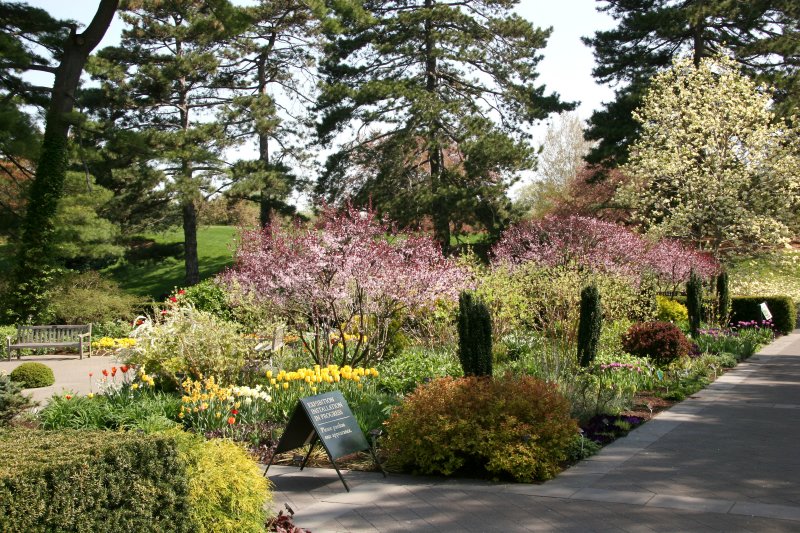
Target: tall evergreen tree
(32,40)
(436,95)
(271,69)
(168,69)
(764,36)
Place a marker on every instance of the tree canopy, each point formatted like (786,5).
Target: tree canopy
(436,95)
(713,165)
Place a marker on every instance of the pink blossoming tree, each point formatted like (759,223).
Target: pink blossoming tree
(343,283)
(598,245)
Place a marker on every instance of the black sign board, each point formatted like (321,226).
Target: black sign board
(326,419)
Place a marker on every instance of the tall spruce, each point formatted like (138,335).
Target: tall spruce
(694,302)
(474,336)
(590,324)
(762,34)
(167,73)
(34,41)
(432,99)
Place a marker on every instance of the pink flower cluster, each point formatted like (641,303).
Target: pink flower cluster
(621,366)
(599,245)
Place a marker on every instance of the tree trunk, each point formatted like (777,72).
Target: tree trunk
(190,243)
(35,253)
(440,209)
(266,211)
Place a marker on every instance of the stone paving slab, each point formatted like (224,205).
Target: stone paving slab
(71,373)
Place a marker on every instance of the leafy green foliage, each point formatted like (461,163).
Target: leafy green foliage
(662,342)
(402,373)
(125,411)
(474,336)
(32,375)
(772,274)
(783,309)
(670,310)
(92,481)
(517,427)
(12,401)
(81,298)
(210,297)
(589,325)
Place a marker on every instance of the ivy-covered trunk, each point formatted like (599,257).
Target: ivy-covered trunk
(35,263)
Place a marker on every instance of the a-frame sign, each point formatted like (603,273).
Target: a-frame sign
(326,419)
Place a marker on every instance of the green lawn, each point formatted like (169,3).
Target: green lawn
(159,275)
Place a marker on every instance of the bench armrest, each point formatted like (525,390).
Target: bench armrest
(84,335)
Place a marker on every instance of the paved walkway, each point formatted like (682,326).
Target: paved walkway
(72,373)
(725,459)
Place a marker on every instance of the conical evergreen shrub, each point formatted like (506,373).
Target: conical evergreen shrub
(589,325)
(474,336)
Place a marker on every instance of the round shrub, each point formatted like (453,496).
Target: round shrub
(671,311)
(517,427)
(662,342)
(33,375)
(227,491)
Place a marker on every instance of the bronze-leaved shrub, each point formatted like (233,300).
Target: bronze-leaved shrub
(661,342)
(518,427)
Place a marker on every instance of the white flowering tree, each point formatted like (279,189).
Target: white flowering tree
(713,164)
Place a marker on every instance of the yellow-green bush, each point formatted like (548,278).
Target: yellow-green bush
(32,375)
(91,481)
(671,311)
(227,490)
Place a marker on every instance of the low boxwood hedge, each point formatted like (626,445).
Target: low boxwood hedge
(783,309)
(91,481)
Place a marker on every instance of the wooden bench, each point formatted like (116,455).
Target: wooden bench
(31,337)
(268,347)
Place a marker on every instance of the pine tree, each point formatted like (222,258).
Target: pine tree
(723,298)
(762,34)
(474,336)
(440,94)
(167,73)
(694,302)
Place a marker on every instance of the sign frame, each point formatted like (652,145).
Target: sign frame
(324,419)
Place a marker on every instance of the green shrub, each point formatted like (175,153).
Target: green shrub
(694,302)
(783,309)
(402,373)
(12,401)
(210,297)
(33,375)
(227,491)
(114,329)
(185,342)
(518,427)
(589,326)
(661,342)
(474,336)
(670,310)
(88,297)
(92,481)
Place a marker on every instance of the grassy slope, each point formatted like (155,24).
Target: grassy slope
(157,277)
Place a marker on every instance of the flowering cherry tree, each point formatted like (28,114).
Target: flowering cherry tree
(601,246)
(344,282)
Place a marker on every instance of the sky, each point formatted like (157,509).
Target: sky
(566,68)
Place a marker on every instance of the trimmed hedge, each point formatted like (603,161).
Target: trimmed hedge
(32,375)
(91,481)
(783,309)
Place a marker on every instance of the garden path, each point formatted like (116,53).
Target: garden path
(725,459)
(71,373)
